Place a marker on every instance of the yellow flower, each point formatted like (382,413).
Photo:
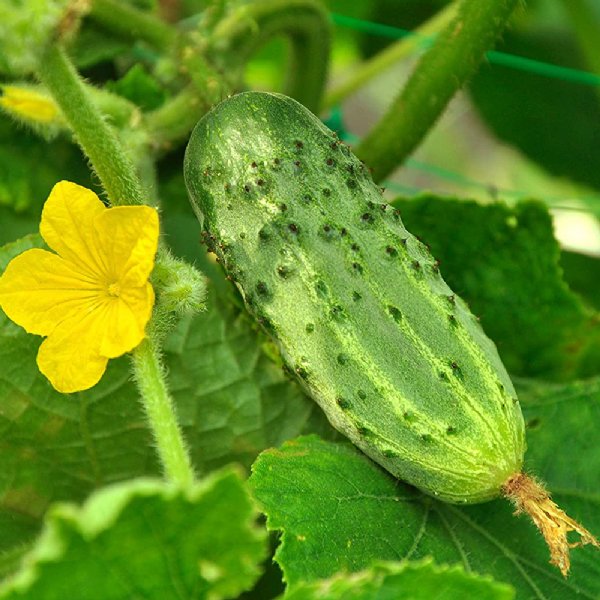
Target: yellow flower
(92,299)
(29,104)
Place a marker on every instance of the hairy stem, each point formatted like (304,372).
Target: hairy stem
(390,56)
(127,21)
(96,138)
(303,22)
(160,412)
(442,70)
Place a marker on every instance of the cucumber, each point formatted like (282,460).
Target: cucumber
(355,303)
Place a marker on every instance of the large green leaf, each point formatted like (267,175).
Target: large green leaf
(553,121)
(505,263)
(232,402)
(409,581)
(146,539)
(339,511)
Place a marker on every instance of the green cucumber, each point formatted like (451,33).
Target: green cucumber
(355,303)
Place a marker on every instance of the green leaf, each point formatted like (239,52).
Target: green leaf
(415,581)
(505,263)
(146,539)
(232,402)
(339,511)
(138,86)
(553,121)
(582,273)
(29,168)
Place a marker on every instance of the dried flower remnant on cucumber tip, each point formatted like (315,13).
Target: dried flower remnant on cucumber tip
(530,497)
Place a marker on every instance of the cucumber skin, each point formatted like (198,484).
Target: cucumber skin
(354,302)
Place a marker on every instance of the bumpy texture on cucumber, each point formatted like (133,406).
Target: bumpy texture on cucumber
(355,303)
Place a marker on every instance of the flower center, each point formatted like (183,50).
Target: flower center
(114,290)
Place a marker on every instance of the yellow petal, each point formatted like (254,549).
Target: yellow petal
(38,290)
(126,318)
(128,236)
(28,103)
(67,226)
(69,357)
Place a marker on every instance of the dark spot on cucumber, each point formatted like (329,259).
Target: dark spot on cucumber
(409,417)
(276,163)
(357,267)
(227,187)
(297,164)
(367,218)
(361,394)
(326,192)
(283,207)
(355,247)
(391,251)
(327,232)
(452,299)
(416,265)
(302,373)
(343,231)
(427,438)
(262,289)
(452,320)
(264,234)
(342,403)
(443,376)
(436,266)
(395,312)
(338,313)
(267,325)
(260,182)
(307,198)
(283,271)
(450,430)
(456,370)
(351,183)
(330,162)
(310,327)
(396,213)
(321,289)
(247,188)
(389,453)
(254,164)
(293,228)
(299,144)
(242,235)
(364,431)
(356,296)
(343,359)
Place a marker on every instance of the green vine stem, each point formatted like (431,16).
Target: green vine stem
(390,56)
(585,24)
(442,70)
(122,184)
(174,120)
(304,22)
(127,21)
(94,135)
(150,378)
